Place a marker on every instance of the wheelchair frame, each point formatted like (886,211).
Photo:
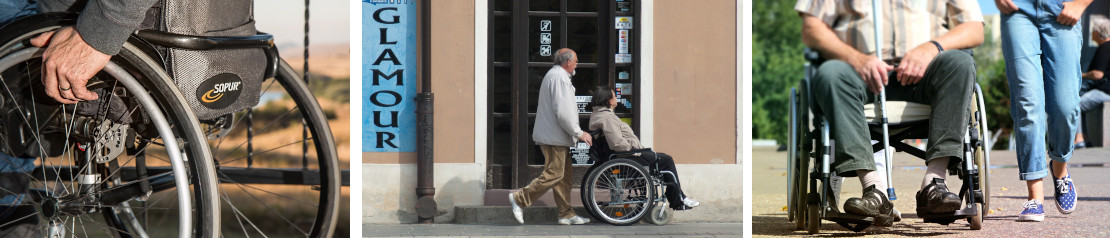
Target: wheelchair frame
(656,205)
(324,177)
(807,206)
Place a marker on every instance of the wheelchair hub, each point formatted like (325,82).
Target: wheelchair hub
(54,208)
(106,139)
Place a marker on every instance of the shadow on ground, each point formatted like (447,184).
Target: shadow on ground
(777,225)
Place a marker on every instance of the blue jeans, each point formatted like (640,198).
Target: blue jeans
(12,9)
(1092,99)
(1044,74)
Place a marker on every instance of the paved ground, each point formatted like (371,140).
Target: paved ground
(553,230)
(1007,193)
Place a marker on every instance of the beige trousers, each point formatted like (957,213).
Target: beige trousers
(557,175)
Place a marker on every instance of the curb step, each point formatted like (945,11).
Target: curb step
(504,215)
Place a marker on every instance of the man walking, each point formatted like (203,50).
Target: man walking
(556,130)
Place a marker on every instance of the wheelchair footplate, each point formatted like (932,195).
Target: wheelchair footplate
(853,222)
(949,218)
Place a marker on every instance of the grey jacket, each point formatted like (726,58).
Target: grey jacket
(103,24)
(617,133)
(557,113)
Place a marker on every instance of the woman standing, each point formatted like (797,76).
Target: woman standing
(1044,76)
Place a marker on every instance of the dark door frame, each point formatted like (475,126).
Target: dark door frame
(521,171)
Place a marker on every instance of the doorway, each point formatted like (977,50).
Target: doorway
(524,34)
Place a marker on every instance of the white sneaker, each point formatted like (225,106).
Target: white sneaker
(897,215)
(690,202)
(576,220)
(518,213)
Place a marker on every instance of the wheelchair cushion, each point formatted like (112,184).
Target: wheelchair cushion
(900,112)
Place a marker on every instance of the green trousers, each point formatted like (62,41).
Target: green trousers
(840,95)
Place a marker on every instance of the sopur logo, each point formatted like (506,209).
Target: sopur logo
(220,91)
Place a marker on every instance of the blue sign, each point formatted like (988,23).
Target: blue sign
(389,75)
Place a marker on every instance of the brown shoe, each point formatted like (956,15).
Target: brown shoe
(873,203)
(935,198)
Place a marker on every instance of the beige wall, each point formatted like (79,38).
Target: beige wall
(453,80)
(695,80)
(452,84)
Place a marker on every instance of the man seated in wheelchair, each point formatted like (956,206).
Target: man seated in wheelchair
(923,62)
(620,138)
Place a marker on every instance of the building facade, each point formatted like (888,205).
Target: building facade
(674,64)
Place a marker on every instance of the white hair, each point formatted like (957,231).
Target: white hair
(563,56)
(1102,28)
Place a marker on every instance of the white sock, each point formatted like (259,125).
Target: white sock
(937,168)
(871,177)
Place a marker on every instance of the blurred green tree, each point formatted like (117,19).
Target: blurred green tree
(777,64)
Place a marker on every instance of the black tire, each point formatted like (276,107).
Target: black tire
(118,214)
(585,195)
(288,204)
(813,214)
(628,178)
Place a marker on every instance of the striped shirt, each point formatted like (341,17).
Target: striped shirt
(906,23)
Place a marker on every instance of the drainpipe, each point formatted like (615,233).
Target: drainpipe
(425,189)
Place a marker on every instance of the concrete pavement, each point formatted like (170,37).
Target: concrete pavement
(593,229)
(1090,169)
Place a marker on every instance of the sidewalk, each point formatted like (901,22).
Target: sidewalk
(594,229)
(1089,167)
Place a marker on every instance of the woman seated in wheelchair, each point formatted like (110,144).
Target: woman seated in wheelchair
(620,138)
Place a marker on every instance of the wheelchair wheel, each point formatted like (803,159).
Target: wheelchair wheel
(125,165)
(620,192)
(976,222)
(982,157)
(660,215)
(798,161)
(277,164)
(813,214)
(586,196)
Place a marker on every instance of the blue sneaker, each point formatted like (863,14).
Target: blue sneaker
(1033,211)
(1065,194)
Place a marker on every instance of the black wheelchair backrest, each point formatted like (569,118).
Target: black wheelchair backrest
(600,150)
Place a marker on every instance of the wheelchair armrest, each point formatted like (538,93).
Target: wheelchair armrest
(812,55)
(192,42)
(631,152)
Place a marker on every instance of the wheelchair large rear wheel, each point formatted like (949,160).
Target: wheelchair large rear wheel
(277,163)
(982,156)
(798,161)
(620,192)
(126,165)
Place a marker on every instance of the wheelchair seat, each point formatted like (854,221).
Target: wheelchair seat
(898,112)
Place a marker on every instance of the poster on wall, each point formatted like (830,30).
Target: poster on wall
(622,41)
(389,76)
(582,101)
(624,23)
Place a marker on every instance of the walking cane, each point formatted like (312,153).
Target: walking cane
(876,14)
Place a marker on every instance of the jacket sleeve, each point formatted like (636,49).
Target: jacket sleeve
(106,24)
(566,109)
(613,133)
